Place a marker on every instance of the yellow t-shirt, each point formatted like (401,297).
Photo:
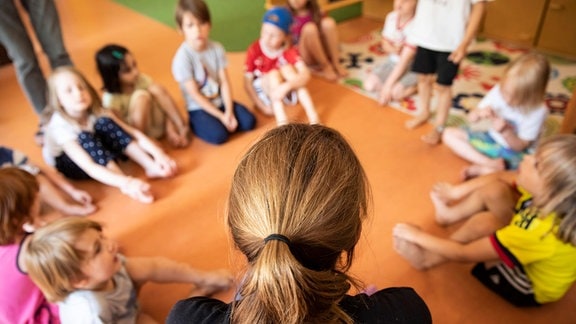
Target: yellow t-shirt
(530,242)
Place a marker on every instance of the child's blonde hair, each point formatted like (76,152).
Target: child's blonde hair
(529,74)
(303,182)
(51,259)
(556,158)
(54,102)
(18,190)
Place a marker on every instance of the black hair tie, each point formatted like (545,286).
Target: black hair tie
(277,237)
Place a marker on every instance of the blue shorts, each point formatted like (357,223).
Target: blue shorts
(485,144)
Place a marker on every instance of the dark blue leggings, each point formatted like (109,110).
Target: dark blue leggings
(106,143)
(210,129)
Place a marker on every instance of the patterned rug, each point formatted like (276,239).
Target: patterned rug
(480,71)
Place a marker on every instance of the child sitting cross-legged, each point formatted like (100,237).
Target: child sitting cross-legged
(275,74)
(76,265)
(532,260)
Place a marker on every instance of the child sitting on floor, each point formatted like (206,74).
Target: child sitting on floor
(391,80)
(516,110)
(52,184)
(137,99)
(316,37)
(21,301)
(83,141)
(531,261)
(76,265)
(274,71)
(200,67)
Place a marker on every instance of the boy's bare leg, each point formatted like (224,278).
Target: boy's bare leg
(425,82)
(442,110)
(496,197)
(308,105)
(312,51)
(418,257)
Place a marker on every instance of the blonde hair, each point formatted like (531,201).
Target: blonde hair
(51,259)
(529,74)
(305,183)
(18,190)
(54,103)
(556,158)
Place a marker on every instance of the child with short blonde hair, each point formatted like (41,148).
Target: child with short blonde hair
(274,71)
(21,301)
(83,140)
(76,265)
(530,261)
(515,108)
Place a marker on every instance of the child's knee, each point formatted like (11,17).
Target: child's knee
(310,30)
(328,24)
(372,82)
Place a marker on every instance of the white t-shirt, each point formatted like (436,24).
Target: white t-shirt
(395,33)
(440,25)
(119,306)
(527,125)
(60,131)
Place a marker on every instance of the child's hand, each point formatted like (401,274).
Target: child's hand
(280,92)
(229,122)
(405,231)
(212,282)
(138,190)
(385,95)
(166,165)
(499,124)
(81,196)
(177,137)
(457,56)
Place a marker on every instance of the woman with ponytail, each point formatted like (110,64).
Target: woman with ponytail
(295,210)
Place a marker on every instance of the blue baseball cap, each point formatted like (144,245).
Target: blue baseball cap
(280,17)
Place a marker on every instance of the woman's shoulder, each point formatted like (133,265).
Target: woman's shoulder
(199,310)
(397,304)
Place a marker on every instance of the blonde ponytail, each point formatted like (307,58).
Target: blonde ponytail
(304,186)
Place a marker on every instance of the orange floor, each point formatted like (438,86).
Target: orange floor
(187,220)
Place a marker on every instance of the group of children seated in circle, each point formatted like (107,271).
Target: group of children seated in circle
(285,201)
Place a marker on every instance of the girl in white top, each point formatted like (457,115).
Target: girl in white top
(83,141)
(516,111)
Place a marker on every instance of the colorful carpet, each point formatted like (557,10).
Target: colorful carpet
(480,71)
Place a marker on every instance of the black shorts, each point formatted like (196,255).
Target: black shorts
(433,62)
(511,284)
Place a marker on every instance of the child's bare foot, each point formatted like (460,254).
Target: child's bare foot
(445,192)
(342,71)
(138,190)
(213,282)
(162,168)
(440,208)
(327,73)
(411,252)
(432,138)
(417,121)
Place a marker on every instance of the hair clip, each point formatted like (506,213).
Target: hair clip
(117,54)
